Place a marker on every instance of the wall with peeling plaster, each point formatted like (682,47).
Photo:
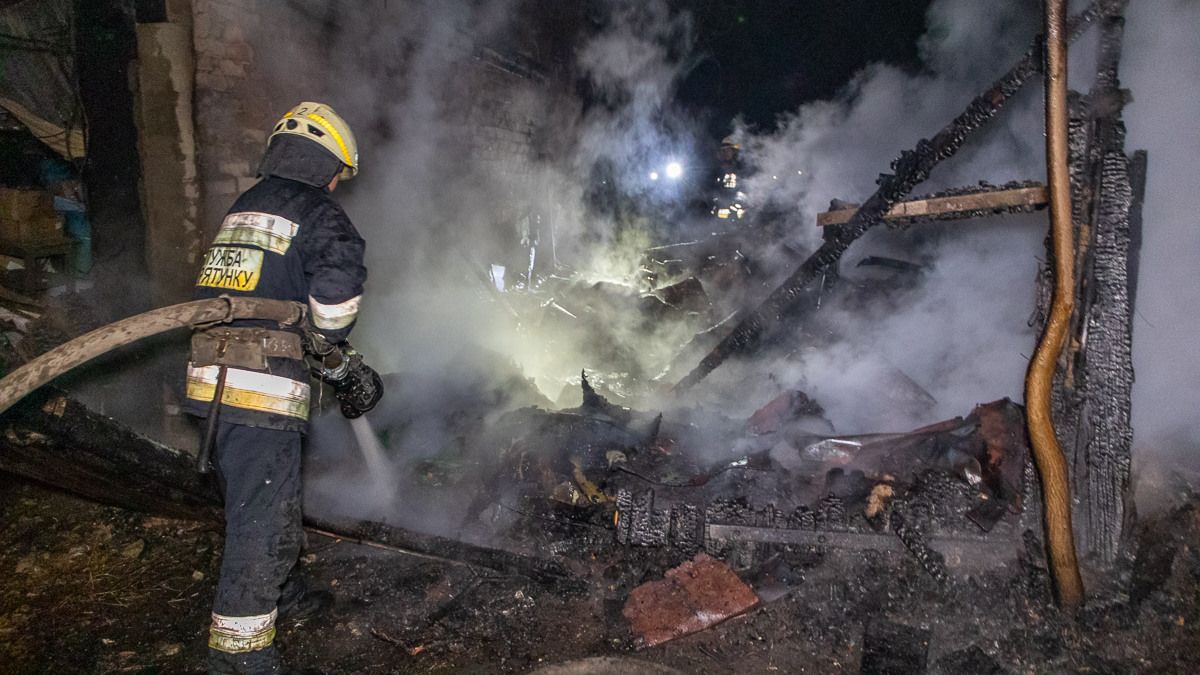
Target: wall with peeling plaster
(167,148)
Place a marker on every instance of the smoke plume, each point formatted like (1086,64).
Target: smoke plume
(1161,66)
(441,219)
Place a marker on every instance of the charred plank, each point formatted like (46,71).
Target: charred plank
(57,441)
(953,206)
(399,539)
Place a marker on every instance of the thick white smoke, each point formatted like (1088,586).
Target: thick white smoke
(1161,67)
(435,215)
(962,336)
(439,214)
(439,209)
(837,148)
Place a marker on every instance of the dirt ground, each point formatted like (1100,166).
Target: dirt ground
(94,589)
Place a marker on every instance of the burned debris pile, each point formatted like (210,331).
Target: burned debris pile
(742,491)
(603,496)
(628,479)
(588,487)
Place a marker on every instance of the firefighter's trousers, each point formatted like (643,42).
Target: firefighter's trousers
(259,473)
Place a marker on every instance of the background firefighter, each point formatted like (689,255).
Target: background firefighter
(286,239)
(729,202)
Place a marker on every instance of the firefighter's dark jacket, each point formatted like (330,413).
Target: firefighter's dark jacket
(287,240)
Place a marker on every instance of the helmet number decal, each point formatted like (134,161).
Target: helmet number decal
(231,267)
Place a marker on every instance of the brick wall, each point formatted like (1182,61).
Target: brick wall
(256,58)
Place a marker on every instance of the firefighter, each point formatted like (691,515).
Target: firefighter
(287,239)
(729,202)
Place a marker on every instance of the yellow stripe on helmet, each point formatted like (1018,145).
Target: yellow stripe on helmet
(332,132)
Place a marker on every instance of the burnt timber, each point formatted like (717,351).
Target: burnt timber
(1095,376)
(961,551)
(911,168)
(53,439)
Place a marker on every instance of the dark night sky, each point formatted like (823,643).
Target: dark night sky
(759,58)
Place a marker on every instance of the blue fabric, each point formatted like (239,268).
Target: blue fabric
(68,205)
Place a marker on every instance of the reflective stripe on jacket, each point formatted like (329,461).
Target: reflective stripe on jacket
(285,240)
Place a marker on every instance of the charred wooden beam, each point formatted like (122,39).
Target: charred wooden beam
(952,207)
(428,545)
(54,440)
(959,551)
(1108,334)
(910,168)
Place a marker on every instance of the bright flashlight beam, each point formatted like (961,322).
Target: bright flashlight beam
(674,170)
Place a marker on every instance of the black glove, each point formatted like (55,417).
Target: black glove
(361,388)
(355,384)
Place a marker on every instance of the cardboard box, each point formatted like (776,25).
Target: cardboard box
(27,217)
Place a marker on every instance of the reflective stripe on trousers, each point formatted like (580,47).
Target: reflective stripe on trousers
(259,473)
(238,634)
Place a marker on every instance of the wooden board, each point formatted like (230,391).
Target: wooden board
(946,207)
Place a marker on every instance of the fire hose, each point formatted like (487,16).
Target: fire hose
(357,386)
(1047,453)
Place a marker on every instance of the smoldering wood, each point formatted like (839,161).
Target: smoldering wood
(929,485)
(1108,325)
(964,204)
(911,168)
(57,441)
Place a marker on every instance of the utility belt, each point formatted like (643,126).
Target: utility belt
(239,347)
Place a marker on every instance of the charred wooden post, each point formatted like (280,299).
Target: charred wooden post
(1048,454)
(1094,381)
(910,168)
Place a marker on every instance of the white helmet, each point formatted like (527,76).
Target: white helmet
(318,122)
